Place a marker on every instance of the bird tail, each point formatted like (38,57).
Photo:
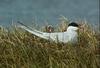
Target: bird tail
(33,31)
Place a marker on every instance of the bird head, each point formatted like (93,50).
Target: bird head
(73,26)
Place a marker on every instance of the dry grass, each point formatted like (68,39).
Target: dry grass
(20,49)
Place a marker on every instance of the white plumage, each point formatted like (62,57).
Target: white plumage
(70,35)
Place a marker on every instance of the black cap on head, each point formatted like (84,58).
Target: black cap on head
(73,24)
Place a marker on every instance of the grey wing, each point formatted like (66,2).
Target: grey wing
(60,37)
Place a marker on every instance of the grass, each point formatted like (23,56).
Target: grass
(20,49)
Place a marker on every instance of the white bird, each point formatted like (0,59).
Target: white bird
(71,35)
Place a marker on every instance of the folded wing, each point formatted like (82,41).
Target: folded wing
(58,36)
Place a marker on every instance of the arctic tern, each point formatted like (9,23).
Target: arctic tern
(70,35)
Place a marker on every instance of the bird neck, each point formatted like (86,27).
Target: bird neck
(72,34)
